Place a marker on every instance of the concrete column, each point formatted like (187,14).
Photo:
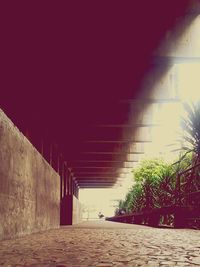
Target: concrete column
(66,205)
(51,155)
(70,206)
(76,191)
(65,179)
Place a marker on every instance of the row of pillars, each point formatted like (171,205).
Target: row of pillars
(68,190)
(68,185)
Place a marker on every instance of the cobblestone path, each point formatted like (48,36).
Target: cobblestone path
(103,244)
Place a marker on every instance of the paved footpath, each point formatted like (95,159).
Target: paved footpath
(103,244)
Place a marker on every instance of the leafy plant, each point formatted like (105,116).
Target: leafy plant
(154,186)
(155,177)
(191,131)
(136,198)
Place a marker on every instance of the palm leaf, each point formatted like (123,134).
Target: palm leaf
(191,127)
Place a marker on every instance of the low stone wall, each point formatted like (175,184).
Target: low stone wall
(29,187)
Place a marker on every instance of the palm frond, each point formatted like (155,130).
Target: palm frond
(182,157)
(191,127)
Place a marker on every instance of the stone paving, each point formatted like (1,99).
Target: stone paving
(103,244)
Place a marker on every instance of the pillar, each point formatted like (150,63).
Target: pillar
(66,207)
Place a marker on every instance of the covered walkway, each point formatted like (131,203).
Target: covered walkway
(103,244)
(83,90)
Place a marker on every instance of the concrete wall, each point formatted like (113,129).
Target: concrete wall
(77,211)
(29,187)
(71,210)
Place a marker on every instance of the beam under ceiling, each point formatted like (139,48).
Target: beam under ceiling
(117,141)
(150,101)
(137,125)
(102,161)
(103,178)
(96,167)
(89,183)
(176,60)
(111,152)
(98,178)
(96,182)
(90,186)
(95,172)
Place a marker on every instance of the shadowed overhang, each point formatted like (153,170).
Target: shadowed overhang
(72,76)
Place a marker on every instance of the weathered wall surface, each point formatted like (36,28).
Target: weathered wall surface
(77,211)
(29,187)
(71,210)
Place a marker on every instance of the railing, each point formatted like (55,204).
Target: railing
(186,208)
(188,187)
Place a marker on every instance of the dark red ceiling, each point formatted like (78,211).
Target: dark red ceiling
(66,65)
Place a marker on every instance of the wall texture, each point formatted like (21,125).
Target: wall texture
(29,187)
(71,210)
(77,211)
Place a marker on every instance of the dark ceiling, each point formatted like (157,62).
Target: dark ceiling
(68,66)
